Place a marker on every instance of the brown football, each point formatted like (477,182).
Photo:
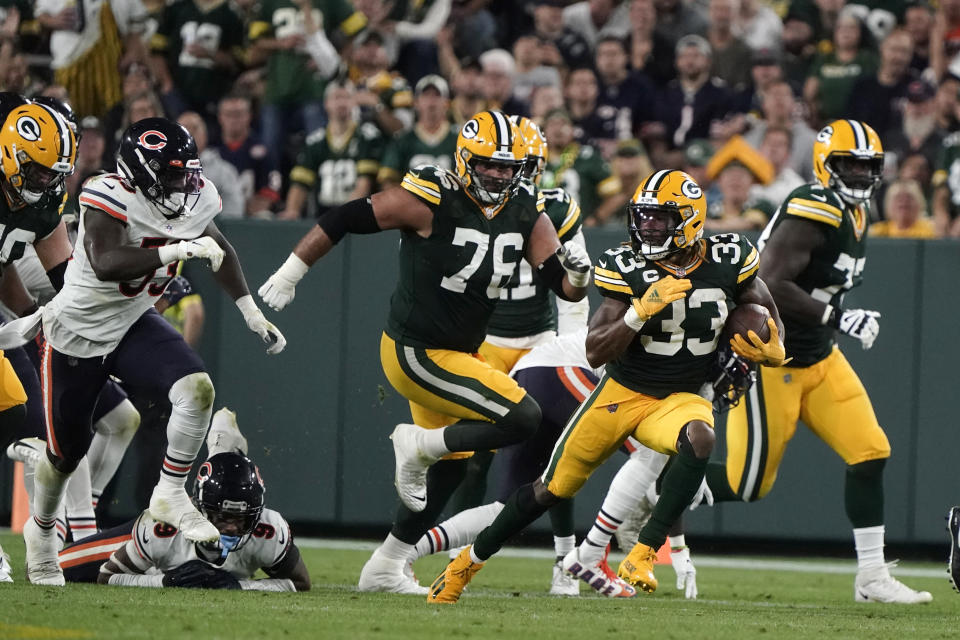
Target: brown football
(747,317)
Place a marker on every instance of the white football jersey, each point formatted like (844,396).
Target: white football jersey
(567,350)
(89,317)
(155,545)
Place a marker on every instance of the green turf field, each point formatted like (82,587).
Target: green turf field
(739,598)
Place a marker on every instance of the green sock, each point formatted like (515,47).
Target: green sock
(863,493)
(561,518)
(718,483)
(520,510)
(680,484)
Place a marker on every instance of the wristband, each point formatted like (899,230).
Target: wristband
(831,316)
(246,305)
(632,319)
(293,269)
(169,253)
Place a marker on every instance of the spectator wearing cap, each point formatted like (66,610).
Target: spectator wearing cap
(549,27)
(239,145)
(649,50)
(499,73)
(731,56)
(905,210)
(677,18)
(530,70)
(339,162)
(624,95)
(779,108)
(384,97)
(776,147)
(693,103)
(578,168)
(594,19)
(630,165)
(432,140)
(918,22)
(221,173)
(919,131)
(735,169)
(877,99)
(832,75)
(760,26)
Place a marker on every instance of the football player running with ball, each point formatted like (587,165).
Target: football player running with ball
(666,298)
(812,253)
(463,234)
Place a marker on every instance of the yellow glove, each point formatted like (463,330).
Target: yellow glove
(659,295)
(770,353)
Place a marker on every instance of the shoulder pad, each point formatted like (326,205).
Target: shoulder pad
(152,539)
(429,182)
(316,136)
(608,274)
(274,537)
(564,212)
(815,203)
(107,193)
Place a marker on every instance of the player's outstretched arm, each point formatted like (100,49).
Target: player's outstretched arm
(291,568)
(391,209)
(565,269)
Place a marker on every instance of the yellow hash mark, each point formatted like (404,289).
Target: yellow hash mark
(28,631)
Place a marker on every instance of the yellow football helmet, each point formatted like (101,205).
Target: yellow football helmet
(666,214)
(536,147)
(37,152)
(848,157)
(491,140)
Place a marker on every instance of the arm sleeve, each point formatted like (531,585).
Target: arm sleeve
(136,580)
(268,584)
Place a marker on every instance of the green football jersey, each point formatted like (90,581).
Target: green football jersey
(948,170)
(450,281)
(674,350)
(290,79)
(583,173)
(26,225)
(414,148)
(526,307)
(834,268)
(333,166)
(182,24)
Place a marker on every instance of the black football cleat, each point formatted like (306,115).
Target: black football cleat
(953,527)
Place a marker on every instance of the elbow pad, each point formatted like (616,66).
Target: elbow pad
(551,273)
(355,216)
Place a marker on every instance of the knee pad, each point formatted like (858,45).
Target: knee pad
(192,393)
(524,418)
(704,446)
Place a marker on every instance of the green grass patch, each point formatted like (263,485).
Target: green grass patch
(507,598)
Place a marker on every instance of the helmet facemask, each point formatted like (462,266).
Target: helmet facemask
(533,169)
(854,177)
(36,181)
(656,230)
(489,189)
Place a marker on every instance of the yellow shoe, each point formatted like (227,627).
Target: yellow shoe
(637,568)
(448,586)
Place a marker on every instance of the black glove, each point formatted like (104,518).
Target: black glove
(197,574)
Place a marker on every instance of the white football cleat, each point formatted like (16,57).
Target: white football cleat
(29,451)
(877,585)
(42,545)
(563,584)
(225,435)
(176,509)
(389,576)
(412,463)
(5,568)
(606,584)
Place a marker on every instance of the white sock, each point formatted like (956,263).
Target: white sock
(395,549)
(432,444)
(626,491)
(112,434)
(457,531)
(80,516)
(192,400)
(677,542)
(562,545)
(48,488)
(869,543)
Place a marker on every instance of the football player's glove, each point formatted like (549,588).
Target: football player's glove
(280,288)
(197,574)
(655,298)
(770,353)
(686,572)
(861,324)
(258,323)
(203,247)
(576,262)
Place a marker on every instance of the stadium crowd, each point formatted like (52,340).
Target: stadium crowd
(298,111)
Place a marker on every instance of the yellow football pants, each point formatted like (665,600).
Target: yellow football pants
(501,358)
(829,398)
(11,389)
(606,418)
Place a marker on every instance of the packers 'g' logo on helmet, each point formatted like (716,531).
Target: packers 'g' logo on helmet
(848,157)
(667,213)
(37,152)
(536,147)
(491,153)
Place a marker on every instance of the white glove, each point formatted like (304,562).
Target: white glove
(280,288)
(702,495)
(257,323)
(860,324)
(576,262)
(203,247)
(686,572)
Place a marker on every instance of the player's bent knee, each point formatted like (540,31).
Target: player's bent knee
(696,438)
(522,420)
(193,392)
(542,495)
(62,465)
(123,419)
